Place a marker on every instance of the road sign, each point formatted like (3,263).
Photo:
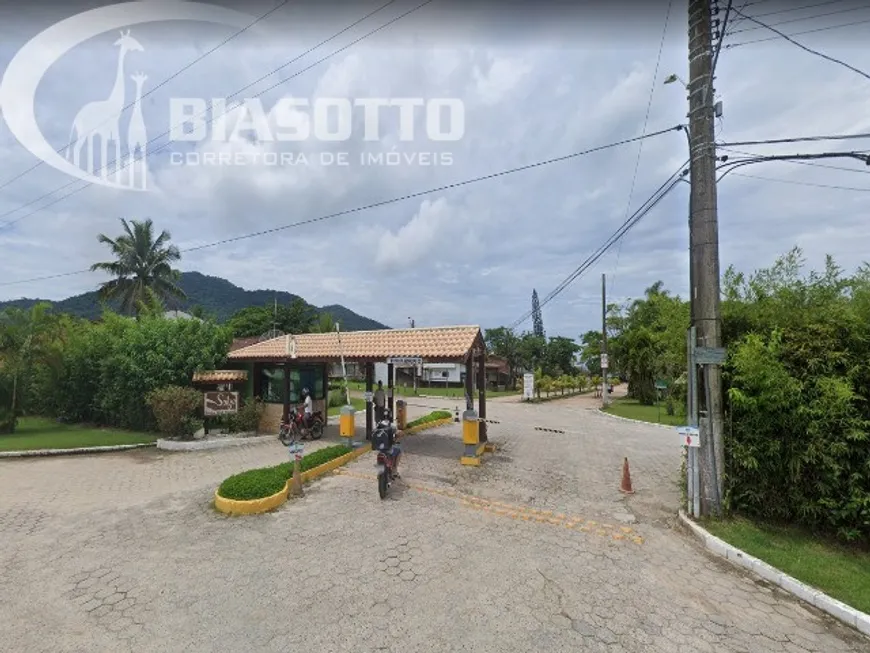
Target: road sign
(405,360)
(369,396)
(295,448)
(689,436)
(528,386)
(709,355)
(661,385)
(604,361)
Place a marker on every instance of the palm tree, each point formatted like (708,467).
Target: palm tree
(142,270)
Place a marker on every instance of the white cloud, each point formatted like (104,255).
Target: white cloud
(471,253)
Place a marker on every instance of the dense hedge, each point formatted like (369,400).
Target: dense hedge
(431,417)
(101,372)
(266,481)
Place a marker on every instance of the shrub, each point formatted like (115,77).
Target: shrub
(431,417)
(337,398)
(266,481)
(247,420)
(175,410)
(314,459)
(253,484)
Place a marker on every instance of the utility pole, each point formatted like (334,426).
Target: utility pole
(604,362)
(704,243)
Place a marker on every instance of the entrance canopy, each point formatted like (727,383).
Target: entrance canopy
(436,344)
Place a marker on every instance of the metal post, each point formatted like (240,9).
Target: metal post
(604,367)
(343,366)
(690,478)
(696,487)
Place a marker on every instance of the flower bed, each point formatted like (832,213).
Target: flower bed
(426,420)
(266,482)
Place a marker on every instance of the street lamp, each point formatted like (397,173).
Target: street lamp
(670,79)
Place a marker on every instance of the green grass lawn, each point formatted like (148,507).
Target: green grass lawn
(632,409)
(359,404)
(41,433)
(357,386)
(842,573)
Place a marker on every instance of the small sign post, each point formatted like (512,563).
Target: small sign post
(369,396)
(295,450)
(528,386)
(690,437)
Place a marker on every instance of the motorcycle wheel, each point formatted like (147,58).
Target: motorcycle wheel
(283,437)
(382,485)
(316,430)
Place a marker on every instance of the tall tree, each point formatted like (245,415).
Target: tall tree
(537,318)
(142,267)
(324,324)
(23,335)
(298,317)
(502,342)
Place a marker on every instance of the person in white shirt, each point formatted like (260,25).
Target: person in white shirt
(380,402)
(308,407)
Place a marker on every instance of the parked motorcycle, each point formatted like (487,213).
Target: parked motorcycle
(382,442)
(295,428)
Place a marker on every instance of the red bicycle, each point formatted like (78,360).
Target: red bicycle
(296,428)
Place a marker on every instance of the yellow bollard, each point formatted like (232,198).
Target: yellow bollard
(470,438)
(346,424)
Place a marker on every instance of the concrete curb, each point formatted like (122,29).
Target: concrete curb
(259,506)
(847,614)
(218,443)
(73,452)
(634,421)
(428,425)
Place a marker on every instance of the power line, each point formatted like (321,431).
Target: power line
(788,36)
(795,20)
(721,39)
(812,6)
(652,92)
(800,183)
(213,118)
(798,139)
(805,48)
(161,84)
(671,183)
(863,171)
(393,200)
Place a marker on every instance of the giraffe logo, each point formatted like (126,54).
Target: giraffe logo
(88,155)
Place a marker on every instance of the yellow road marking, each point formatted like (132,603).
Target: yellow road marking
(524,513)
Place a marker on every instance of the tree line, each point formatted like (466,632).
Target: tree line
(100,372)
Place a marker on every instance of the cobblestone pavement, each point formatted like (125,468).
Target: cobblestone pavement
(534,551)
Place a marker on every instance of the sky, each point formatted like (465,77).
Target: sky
(534,83)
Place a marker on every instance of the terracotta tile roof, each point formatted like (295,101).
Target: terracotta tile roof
(238,343)
(220,376)
(451,343)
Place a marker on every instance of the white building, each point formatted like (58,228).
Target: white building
(427,373)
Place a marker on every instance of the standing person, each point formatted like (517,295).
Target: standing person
(380,402)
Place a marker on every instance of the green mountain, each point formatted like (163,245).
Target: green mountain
(215,296)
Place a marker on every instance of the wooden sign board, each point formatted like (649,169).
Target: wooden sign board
(220,403)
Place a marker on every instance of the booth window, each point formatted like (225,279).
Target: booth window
(272,385)
(308,376)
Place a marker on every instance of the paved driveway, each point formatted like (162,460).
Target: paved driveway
(534,551)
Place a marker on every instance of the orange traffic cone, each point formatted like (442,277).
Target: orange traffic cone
(625,488)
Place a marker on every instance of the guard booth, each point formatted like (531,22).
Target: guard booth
(304,360)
